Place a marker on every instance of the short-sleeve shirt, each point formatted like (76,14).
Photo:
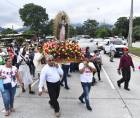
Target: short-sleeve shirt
(87,75)
(9,74)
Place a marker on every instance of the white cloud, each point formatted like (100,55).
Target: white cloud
(78,10)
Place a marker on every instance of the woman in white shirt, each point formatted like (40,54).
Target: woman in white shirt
(37,61)
(86,69)
(38,66)
(24,72)
(10,75)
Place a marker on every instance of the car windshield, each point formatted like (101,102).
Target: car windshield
(117,42)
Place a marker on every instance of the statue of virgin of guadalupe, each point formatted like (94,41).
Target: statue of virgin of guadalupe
(63,29)
(61,26)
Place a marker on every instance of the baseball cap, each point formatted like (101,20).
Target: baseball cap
(125,49)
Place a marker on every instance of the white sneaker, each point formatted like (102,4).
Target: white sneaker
(7,113)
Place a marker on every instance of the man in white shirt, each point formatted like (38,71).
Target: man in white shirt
(112,51)
(51,73)
(86,69)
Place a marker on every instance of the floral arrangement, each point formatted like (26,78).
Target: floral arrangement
(63,51)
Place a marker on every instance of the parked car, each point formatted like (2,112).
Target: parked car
(83,43)
(118,44)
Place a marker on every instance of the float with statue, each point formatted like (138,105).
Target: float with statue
(62,49)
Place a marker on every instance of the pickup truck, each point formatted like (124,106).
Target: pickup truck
(118,44)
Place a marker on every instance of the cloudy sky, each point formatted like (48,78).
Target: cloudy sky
(78,10)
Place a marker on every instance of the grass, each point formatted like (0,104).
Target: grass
(135,51)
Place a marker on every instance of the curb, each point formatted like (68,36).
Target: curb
(134,55)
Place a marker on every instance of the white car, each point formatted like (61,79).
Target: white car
(83,43)
(118,44)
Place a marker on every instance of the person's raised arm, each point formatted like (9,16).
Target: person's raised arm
(42,79)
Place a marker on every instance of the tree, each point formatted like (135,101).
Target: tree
(20,40)
(49,27)
(29,32)
(90,27)
(8,31)
(72,31)
(79,30)
(34,16)
(114,31)
(103,32)
(136,21)
(136,32)
(122,26)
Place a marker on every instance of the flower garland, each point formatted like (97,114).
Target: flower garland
(63,51)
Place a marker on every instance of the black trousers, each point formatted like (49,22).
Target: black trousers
(74,67)
(54,90)
(65,69)
(98,68)
(126,74)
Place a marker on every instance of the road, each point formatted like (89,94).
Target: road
(107,100)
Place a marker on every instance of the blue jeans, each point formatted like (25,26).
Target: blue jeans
(86,89)
(8,97)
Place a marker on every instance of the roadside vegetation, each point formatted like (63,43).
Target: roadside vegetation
(135,51)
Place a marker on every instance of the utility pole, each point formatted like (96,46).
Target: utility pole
(130,26)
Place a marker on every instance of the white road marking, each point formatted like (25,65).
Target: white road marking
(35,82)
(109,80)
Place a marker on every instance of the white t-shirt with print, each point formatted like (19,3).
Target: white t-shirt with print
(87,75)
(9,74)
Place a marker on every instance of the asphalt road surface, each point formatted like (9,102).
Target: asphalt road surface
(107,100)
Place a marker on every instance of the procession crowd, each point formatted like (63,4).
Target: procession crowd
(25,63)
